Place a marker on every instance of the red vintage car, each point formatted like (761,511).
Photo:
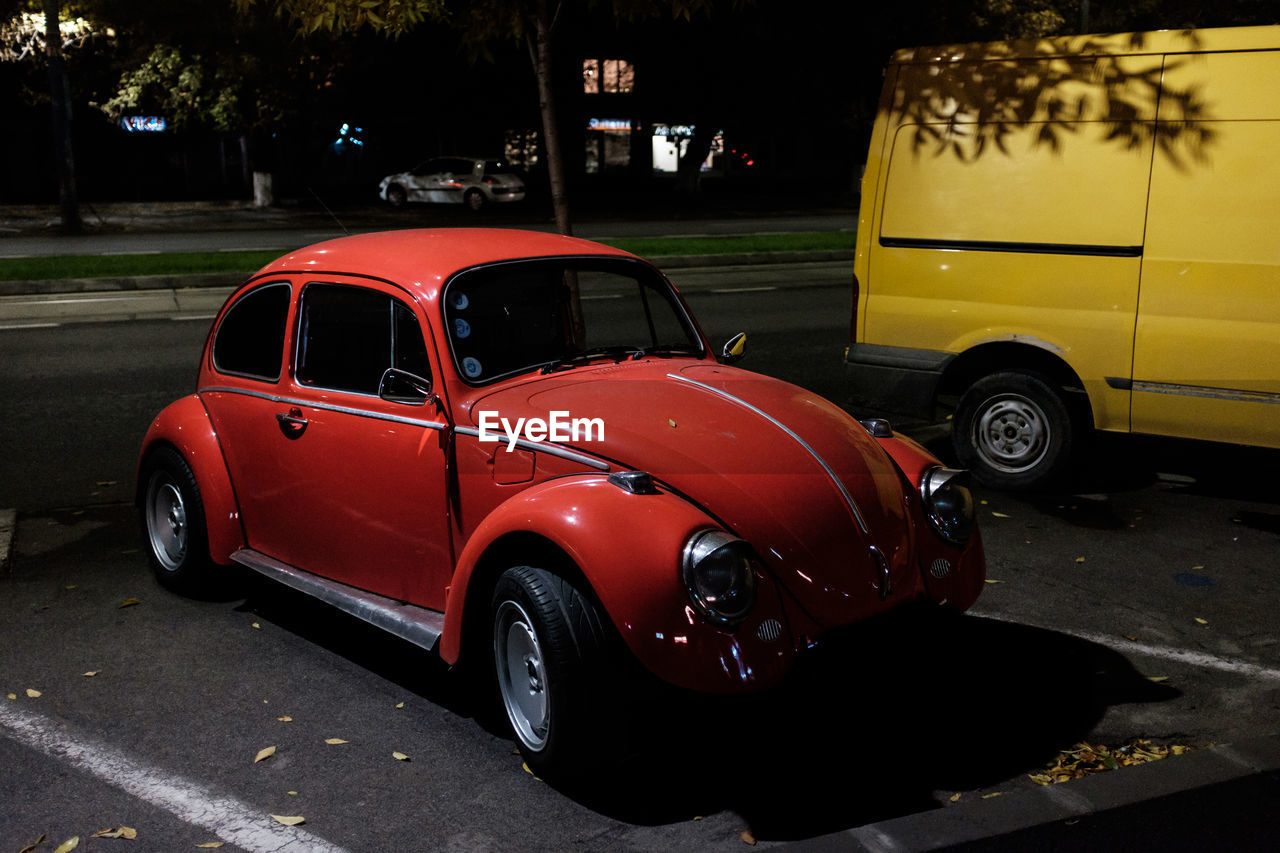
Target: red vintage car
(520,448)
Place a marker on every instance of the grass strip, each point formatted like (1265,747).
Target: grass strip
(243,263)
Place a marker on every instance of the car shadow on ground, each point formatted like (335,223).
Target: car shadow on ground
(871,726)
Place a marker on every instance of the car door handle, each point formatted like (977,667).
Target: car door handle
(292,423)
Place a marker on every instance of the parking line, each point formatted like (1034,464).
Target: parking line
(1203,660)
(224,816)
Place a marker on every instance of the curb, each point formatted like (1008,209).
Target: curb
(8,525)
(975,820)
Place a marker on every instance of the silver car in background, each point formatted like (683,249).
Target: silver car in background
(473,181)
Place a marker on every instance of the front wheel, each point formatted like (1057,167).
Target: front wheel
(549,651)
(475,201)
(173,522)
(1014,431)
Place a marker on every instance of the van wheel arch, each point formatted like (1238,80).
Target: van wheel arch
(1021,375)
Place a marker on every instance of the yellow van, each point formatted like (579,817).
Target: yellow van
(1074,233)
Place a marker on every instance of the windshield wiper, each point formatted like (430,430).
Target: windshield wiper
(663,350)
(618,352)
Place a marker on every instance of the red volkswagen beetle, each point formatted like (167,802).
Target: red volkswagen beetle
(520,448)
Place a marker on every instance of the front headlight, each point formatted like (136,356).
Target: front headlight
(948,504)
(720,576)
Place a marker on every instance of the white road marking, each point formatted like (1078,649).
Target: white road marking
(226,817)
(124,253)
(1187,656)
(8,327)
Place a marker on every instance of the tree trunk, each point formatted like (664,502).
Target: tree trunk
(550,120)
(689,179)
(60,98)
(555,155)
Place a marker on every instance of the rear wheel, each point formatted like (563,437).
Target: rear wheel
(173,522)
(1014,430)
(396,196)
(549,651)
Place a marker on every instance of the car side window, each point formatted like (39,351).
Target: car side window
(348,336)
(250,338)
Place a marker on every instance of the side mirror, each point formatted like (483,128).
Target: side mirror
(401,386)
(734,348)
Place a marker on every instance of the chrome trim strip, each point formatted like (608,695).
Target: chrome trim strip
(1230,394)
(543,447)
(417,625)
(325,407)
(848,498)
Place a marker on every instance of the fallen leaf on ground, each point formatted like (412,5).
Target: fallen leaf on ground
(1079,559)
(955,798)
(33,845)
(1202,621)
(1000,515)
(70,586)
(1084,759)
(91,673)
(119,832)
(399,756)
(399,704)
(334,741)
(33,694)
(1157,678)
(264,754)
(992,795)
(289,820)
(129,602)
(747,837)
(13,695)
(70,844)
(285,719)
(256,625)
(209,845)
(991,580)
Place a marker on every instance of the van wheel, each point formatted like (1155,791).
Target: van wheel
(1014,431)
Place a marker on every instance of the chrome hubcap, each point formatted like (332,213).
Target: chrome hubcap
(522,675)
(1011,433)
(166,522)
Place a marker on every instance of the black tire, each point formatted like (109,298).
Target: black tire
(173,522)
(1014,430)
(475,201)
(550,660)
(396,196)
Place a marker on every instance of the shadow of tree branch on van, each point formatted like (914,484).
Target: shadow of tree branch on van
(970,101)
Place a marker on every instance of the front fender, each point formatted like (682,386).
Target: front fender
(628,548)
(185,425)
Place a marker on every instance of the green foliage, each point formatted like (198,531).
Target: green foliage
(394,17)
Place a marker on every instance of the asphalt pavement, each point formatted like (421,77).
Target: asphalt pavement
(1222,797)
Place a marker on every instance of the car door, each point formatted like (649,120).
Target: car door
(331,478)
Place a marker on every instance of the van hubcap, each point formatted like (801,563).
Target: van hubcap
(1011,433)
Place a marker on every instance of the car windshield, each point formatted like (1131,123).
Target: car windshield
(516,317)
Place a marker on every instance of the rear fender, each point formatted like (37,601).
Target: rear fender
(627,547)
(185,425)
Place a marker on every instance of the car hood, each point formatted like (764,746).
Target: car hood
(819,500)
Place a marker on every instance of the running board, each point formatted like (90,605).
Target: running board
(418,625)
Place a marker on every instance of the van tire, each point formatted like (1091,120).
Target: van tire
(1014,430)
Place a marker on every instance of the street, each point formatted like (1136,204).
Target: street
(1139,605)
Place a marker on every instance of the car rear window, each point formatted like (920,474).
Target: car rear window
(250,338)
